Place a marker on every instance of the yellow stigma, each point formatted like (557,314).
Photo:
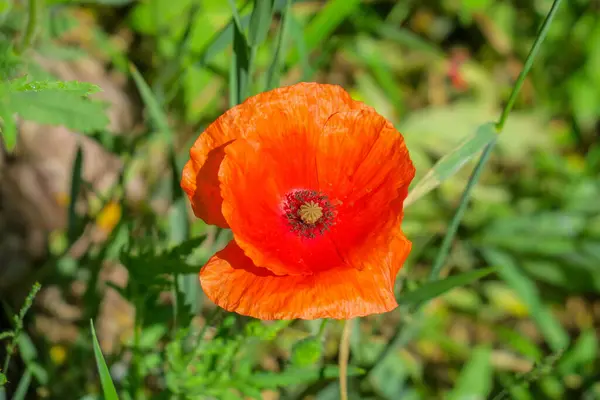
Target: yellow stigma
(310,212)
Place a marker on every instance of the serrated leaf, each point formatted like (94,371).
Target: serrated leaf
(80,88)
(434,289)
(260,21)
(56,107)
(108,387)
(448,165)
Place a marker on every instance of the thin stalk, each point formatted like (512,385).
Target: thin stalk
(528,64)
(344,356)
(402,339)
(460,212)
(31,25)
(322,328)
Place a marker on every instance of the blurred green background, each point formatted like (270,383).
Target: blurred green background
(436,69)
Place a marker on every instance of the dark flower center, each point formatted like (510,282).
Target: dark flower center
(308,212)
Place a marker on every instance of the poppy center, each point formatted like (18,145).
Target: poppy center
(309,213)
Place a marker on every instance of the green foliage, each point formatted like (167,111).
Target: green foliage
(517,237)
(307,351)
(50,102)
(432,290)
(108,387)
(17,339)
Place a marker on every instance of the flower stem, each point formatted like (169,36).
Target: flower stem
(528,64)
(31,25)
(343,359)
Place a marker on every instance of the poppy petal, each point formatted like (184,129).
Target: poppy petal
(360,162)
(290,110)
(233,282)
(364,165)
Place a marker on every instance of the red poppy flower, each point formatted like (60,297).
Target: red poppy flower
(311,184)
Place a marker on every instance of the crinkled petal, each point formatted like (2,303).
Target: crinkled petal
(363,166)
(233,282)
(360,162)
(297,108)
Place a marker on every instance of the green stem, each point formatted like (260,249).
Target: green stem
(528,64)
(460,212)
(322,328)
(30,27)
(402,338)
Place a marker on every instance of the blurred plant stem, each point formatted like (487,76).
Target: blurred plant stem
(404,336)
(322,327)
(344,356)
(528,64)
(444,250)
(33,16)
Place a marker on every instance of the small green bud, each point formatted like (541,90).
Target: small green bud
(3,379)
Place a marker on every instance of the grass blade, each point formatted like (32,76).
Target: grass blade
(76,179)
(274,71)
(475,379)
(434,289)
(157,116)
(452,162)
(239,74)
(528,63)
(327,20)
(549,326)
(23,386)
(460,211)
(260,21)
(108,387)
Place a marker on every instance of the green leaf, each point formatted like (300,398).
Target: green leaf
(260,21)
(475,380)
(274,71)
(583,351)
(3,379)
(23,386)
(449,164)
(239,73)
(76,179)
(58,107)
(307,351)
(434,289)
(294,376)
(80,88)
(155,111)
(548,325)
(108,387)
(326,21)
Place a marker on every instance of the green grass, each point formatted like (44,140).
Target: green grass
(499,107)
